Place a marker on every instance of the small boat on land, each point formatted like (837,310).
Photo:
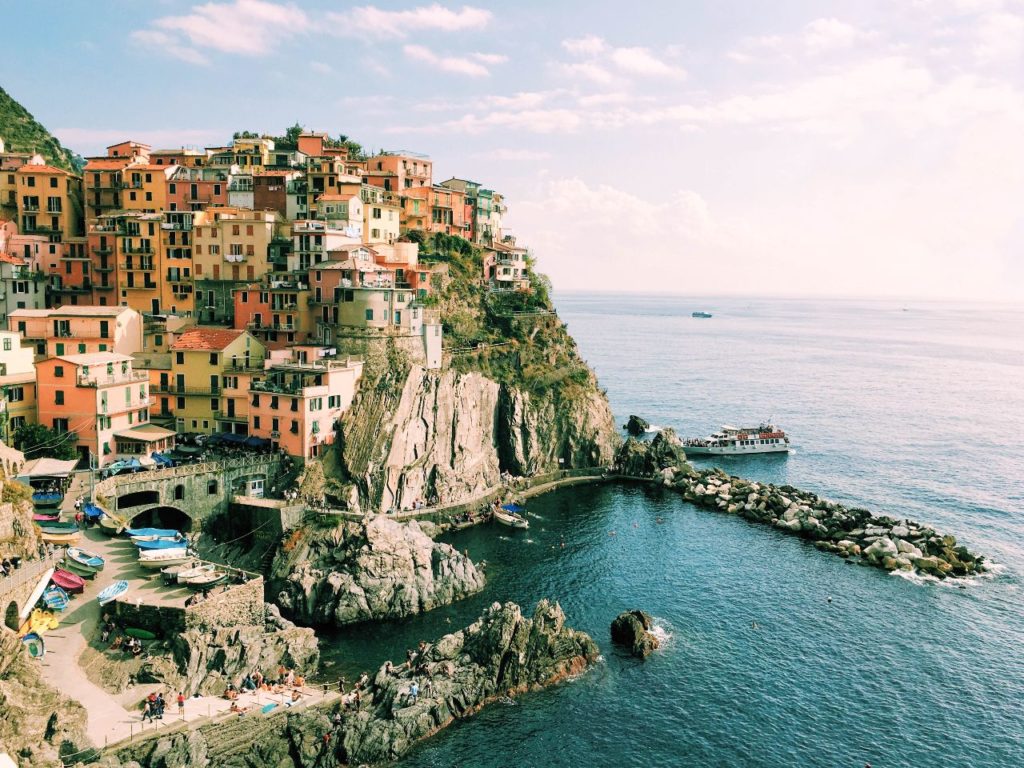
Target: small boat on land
(170,572)
(81,570)
(140,634)
(92,512)
(46,517)
(161,558)
(184,577)
(739,441)
(512,516)
(40,621)
(110,525)
(112,592)
(69,582)
(85,559)
(35,645)
(207,580)
(145,546)
(701,315)
(55,598)
(55,526)
(69,537)
(47,498)
(149,532)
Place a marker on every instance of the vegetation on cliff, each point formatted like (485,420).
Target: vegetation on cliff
(22,133)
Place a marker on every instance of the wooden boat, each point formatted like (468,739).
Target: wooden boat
(206,580)
(160,558)
(47,499)
(34,645)
(60,538)
(85,559)
(149,546)
(510,515)
(46,517)
(110,525)
(112,592)
(57,527)
(146,532)
(200,570)
(80,570)
(140,634)
(68,581)
(170,573)
(55,598)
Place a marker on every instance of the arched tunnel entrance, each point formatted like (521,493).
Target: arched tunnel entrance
(163,517)
(137,499)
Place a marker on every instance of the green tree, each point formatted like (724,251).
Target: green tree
(36,440)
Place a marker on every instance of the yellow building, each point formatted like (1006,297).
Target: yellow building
(382,212)
(175,254)
(17,385)
(141,262)
(145,187)
(230,249)
(203,359)
(49,202)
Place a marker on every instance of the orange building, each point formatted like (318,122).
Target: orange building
(193,189)
(103,182)
(49,202)
(81,330)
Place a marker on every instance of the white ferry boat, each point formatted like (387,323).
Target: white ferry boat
(730,441)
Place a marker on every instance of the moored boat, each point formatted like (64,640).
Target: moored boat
(701,315)
(147,532)
(160,544)
(92,512)
(68,581)
(47,498)
(79,569)
(35,645)
(85,559)
(207,580)
(110,525)
(112,592)
(185,576)
(170,572)
(46,517)
(161,558)
(55,598)
(140,634)
(739,441)
(40,621)
(511,516)
(69,537)
(55,526)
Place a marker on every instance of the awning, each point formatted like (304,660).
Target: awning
(146,461)
(145,433)
(47,467)
(257,442)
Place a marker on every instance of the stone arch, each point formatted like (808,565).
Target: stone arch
(137,499)
(11,616)
(162,516)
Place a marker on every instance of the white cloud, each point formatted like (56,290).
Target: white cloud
(454,64)
(245,27)
(321,67)
(489,58)
(590,45)
(999,38)
(601,63)
(586,70)
(371,21)
(640,61)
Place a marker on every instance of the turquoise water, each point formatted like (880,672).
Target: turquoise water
(918,412)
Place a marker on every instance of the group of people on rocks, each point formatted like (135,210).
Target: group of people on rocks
(111,633)
(287,678)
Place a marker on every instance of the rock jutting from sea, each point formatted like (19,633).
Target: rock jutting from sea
(632,629)
(503,653)
(357,572)
(850,532)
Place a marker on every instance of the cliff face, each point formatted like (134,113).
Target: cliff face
(448,436)
(385,570)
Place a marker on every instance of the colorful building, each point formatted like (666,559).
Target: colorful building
(17,385)
(299,402)
(275,311)
(81,330)
(49,202)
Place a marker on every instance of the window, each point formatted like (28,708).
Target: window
(255,422)
(60,426)
(60,351)
(58,397)
(7,344)
(295,427)
(58,370)
(81,349)
(180,405)
(104,329)
(15,394)
(211,488)
(369,314)
(179,358)
(213,358)
(53,182)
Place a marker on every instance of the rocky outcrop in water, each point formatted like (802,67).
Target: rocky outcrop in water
(37,724)
(380,570)
(632,630)
(448,436)
(636,426)
(850,532)
(502,654)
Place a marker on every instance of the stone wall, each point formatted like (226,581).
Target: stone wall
(239,605)
(165,620)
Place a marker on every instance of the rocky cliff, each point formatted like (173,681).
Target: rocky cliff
(37,724)
(361,572)
(502,654)
(18,536)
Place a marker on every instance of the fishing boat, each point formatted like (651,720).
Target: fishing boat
(512,516)
(60,538)
(145,546)
(701,315)
(34,645)
(146,533)
(110,525)
(112,592)
(85,559)
(92,512)
(80,570)
(140,634)
(161,558)
(55,598)
(185,576)
(47,498)
(739,441)
(57,527)
(46,517)
(170,572)
(69,582)
(206,580)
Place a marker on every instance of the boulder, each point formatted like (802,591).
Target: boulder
(632,630)
(636,426)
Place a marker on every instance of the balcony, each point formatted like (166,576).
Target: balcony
(104,251)
(30,208)
(102,287)
(243,367)
(134,405)
(143,287)
(272,327)
(139,249)
(276,388)
(72,289)
(176,226)
(173,389)
(104,268)
(131,266)
(233,418)
(109,380)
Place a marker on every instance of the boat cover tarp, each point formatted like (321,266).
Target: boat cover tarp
(257,442)
(513,508)
(162,460)
(92,512)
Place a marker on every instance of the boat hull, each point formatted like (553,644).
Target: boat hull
(695,450)
(162,562)
(158,544)
(81,570)
(112,592)
(35,645)
(85,559)
(69,582)
(511,521)
(59,538)
(206,582)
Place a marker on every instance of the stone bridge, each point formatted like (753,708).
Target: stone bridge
(186,496)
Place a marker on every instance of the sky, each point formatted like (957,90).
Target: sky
(700,147)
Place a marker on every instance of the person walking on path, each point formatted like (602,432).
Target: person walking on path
(147,712)
(181,703)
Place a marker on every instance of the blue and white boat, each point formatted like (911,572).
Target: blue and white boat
(136,533)
(35,645)
(56,599)
(85,559)
(92,512)
(512,516)
(160,544)
(112,592)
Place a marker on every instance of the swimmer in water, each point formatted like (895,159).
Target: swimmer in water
(830,598)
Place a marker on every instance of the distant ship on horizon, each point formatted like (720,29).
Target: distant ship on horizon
(731,441)
(700,314)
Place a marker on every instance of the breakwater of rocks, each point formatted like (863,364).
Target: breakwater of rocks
(850,532)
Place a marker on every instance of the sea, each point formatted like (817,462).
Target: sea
(773,653)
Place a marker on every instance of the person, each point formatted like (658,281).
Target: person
(337,719)
(147,712)
(341,685)
(289,678)
(160,706)
(181,703)
(414,692)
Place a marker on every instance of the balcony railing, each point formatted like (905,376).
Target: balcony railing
(134,405)
(174,389)
(139,249)
(105,381)
(144,266)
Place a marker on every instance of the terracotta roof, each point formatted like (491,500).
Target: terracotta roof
(28,168)
(107,163)
(149,167)
(201,337)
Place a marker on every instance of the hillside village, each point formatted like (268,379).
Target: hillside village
(225,291)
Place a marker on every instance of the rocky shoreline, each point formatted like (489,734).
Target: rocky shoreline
(849,532)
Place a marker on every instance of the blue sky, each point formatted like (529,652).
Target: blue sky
(723,146)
